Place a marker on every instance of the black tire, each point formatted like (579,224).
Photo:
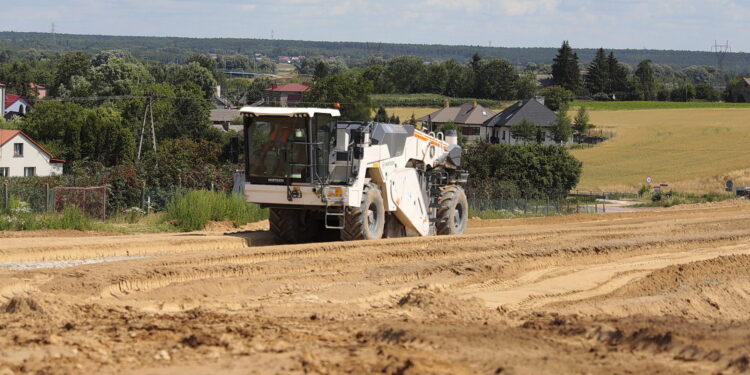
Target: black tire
(393,227)
(453,211)
(294,226)
(367,221)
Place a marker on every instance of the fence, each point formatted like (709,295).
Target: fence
(513,206)
(95,201)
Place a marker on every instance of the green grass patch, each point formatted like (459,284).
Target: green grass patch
(674,199)
(638,105)
(20,217)
(132,222)
(427,100)
(195,209)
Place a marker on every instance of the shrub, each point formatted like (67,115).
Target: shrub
(72,217)
(192,211)
(531,171)
(20,217)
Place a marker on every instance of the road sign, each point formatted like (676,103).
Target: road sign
(648,180)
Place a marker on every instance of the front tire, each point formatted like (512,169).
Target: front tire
(294,226)
(367,221)
(453,211)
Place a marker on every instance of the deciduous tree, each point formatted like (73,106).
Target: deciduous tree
(524,130)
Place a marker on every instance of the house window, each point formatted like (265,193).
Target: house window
(503,135)
(465,130)
(29,171)
(4,171)
(18,150)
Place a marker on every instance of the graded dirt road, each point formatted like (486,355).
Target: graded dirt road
(664,291)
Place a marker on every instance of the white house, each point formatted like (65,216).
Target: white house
(13,105)
(22,156)
(500,126)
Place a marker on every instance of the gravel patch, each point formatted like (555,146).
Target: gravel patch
(33,265)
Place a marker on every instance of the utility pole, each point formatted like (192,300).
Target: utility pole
(52,31)
(721,51)
(148,112)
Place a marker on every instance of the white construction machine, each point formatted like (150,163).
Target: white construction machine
(357,180)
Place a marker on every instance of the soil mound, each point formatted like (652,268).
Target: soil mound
(432,303)
(25,306)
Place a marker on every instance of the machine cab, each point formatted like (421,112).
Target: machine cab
(288,145)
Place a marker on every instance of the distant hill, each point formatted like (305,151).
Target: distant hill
(174,49)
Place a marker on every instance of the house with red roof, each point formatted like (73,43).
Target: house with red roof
(13,105)
(288,95)
(22,156)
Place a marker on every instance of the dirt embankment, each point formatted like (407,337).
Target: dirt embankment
(649,292)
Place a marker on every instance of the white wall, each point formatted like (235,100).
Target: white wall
(509,140)
(20,106)
(32,157)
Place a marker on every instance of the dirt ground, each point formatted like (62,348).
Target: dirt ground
(660,292)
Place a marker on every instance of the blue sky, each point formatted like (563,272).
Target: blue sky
(657,24)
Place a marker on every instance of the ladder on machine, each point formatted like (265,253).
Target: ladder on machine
(337,213)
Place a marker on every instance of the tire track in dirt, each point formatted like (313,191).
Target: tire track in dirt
(565,284)
(580,294)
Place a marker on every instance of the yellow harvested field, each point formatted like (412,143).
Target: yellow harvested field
(692,150)
(404,113)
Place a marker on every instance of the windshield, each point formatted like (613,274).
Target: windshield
(277,149)
(280,148)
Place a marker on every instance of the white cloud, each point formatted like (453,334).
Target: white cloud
(512,7)
(522,7)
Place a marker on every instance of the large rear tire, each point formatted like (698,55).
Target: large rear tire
(294,226)
(453,211)
(367,221)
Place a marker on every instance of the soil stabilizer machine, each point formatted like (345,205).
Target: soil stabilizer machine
(321,177)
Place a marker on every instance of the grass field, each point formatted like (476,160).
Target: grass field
(629,106)
(692,150)
(429,100)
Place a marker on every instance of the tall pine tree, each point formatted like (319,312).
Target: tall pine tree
(597,77)
(618,75)
(565,71)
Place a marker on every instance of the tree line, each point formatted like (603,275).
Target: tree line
(606,78)
(178,50)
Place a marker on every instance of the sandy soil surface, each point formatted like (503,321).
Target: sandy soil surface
(663,291)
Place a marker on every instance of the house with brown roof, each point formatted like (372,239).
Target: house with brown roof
(22,156)
(288,95)
(39,91)
(470,118)
(741,91)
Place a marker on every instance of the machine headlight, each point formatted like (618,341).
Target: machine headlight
(334,194)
